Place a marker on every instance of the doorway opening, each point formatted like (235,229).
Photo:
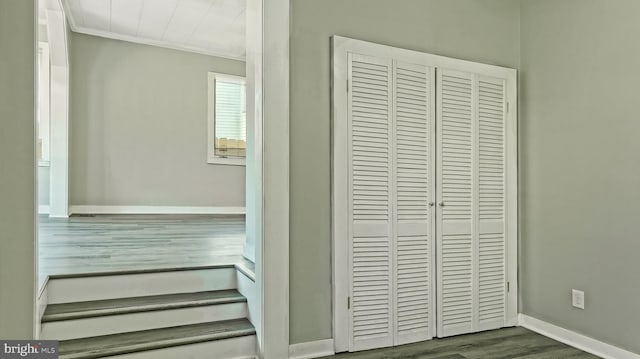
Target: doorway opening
(141,151)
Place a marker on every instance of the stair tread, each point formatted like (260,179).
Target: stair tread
(68,311)
(115,344)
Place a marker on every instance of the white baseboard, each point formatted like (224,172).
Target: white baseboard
(308,350)
(43,209)
(582,342)
(155,210)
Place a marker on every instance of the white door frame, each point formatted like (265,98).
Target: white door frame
(59,128)
(272,165)
(272,237)
(341,46)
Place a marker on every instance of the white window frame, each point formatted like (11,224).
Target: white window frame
(211,121)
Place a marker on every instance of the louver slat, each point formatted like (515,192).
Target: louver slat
(456,183)
(414,190)
(370,101)
(492,205)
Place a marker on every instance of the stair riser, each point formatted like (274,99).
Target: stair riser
(247,287)
(68,290)
(233,348)
(122,323)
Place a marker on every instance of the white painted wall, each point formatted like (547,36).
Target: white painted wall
(268,179)
(273,266)
(139,127)
(43,185)
(254,128)
(59,125)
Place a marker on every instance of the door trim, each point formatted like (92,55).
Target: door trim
(59,112)
(341,46)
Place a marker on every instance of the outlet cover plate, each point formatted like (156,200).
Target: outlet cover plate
(577,298)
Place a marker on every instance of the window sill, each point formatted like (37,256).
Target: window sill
(232,161)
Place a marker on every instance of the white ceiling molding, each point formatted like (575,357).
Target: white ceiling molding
(209,27)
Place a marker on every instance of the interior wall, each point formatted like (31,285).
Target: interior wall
(138,128)
(43,170)
(253,218)
(59,43)
(479,30)
(43,185)
(17,168)
(579,166)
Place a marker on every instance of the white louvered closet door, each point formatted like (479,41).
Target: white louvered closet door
(471,195)
(370,202)
(414,166)
(455,123)
(391,175)
(424,196)
(491,169)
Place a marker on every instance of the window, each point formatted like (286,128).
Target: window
(227,134)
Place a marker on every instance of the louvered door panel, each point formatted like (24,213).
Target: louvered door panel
(423,197)
(456,154)
(414,141)
(370,178)
(492,205)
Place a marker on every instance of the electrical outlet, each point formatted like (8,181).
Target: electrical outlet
(577,298)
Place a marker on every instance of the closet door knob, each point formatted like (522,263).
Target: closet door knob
(441,204)
(431,204)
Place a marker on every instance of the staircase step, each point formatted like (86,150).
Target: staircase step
(98,308)
(137,283)
(112,316)
(157,339)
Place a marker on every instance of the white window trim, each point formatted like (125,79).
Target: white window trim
(211,123)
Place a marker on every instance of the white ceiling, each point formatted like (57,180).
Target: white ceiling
(213,27)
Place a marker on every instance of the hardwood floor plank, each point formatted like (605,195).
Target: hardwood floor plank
(98,308)
(105,243)
(507,343)
(108,345)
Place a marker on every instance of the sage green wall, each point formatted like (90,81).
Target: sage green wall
(138,130)
(580,165)
(478,30)
(17,168)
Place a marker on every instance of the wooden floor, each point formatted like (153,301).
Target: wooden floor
(109,345)
(509,343)
(108,243)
